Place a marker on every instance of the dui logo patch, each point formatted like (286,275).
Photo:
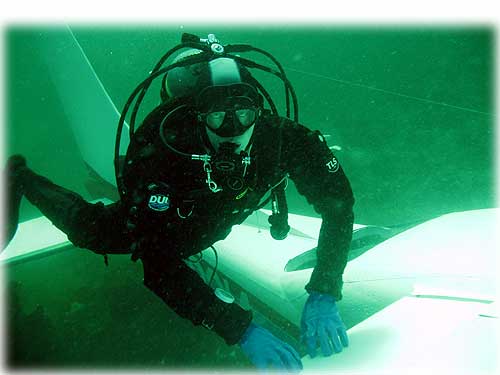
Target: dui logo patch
(333,165)
(159,202)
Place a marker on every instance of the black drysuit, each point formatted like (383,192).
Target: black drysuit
(192,217)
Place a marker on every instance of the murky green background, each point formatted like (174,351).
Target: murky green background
(411,109)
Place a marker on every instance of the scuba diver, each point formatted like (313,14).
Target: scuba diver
(211,153)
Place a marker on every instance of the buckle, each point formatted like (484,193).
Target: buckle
(207,325)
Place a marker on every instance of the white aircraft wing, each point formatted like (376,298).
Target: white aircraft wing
(419,336)
(423,299)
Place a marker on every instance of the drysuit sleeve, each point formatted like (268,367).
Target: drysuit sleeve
(185,292)
(318,176)
(93,226)
(101,229)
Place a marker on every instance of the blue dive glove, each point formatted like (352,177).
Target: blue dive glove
(266,351)
(321,322)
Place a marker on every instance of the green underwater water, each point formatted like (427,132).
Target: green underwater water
(411,109)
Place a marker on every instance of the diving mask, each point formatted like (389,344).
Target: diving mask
(233,118)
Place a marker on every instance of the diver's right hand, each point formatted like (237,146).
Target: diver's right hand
(266,351)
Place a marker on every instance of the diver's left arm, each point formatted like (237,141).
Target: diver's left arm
(318,176)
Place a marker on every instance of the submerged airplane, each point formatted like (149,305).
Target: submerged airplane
(418,299)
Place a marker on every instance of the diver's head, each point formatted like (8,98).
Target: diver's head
(227,103)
